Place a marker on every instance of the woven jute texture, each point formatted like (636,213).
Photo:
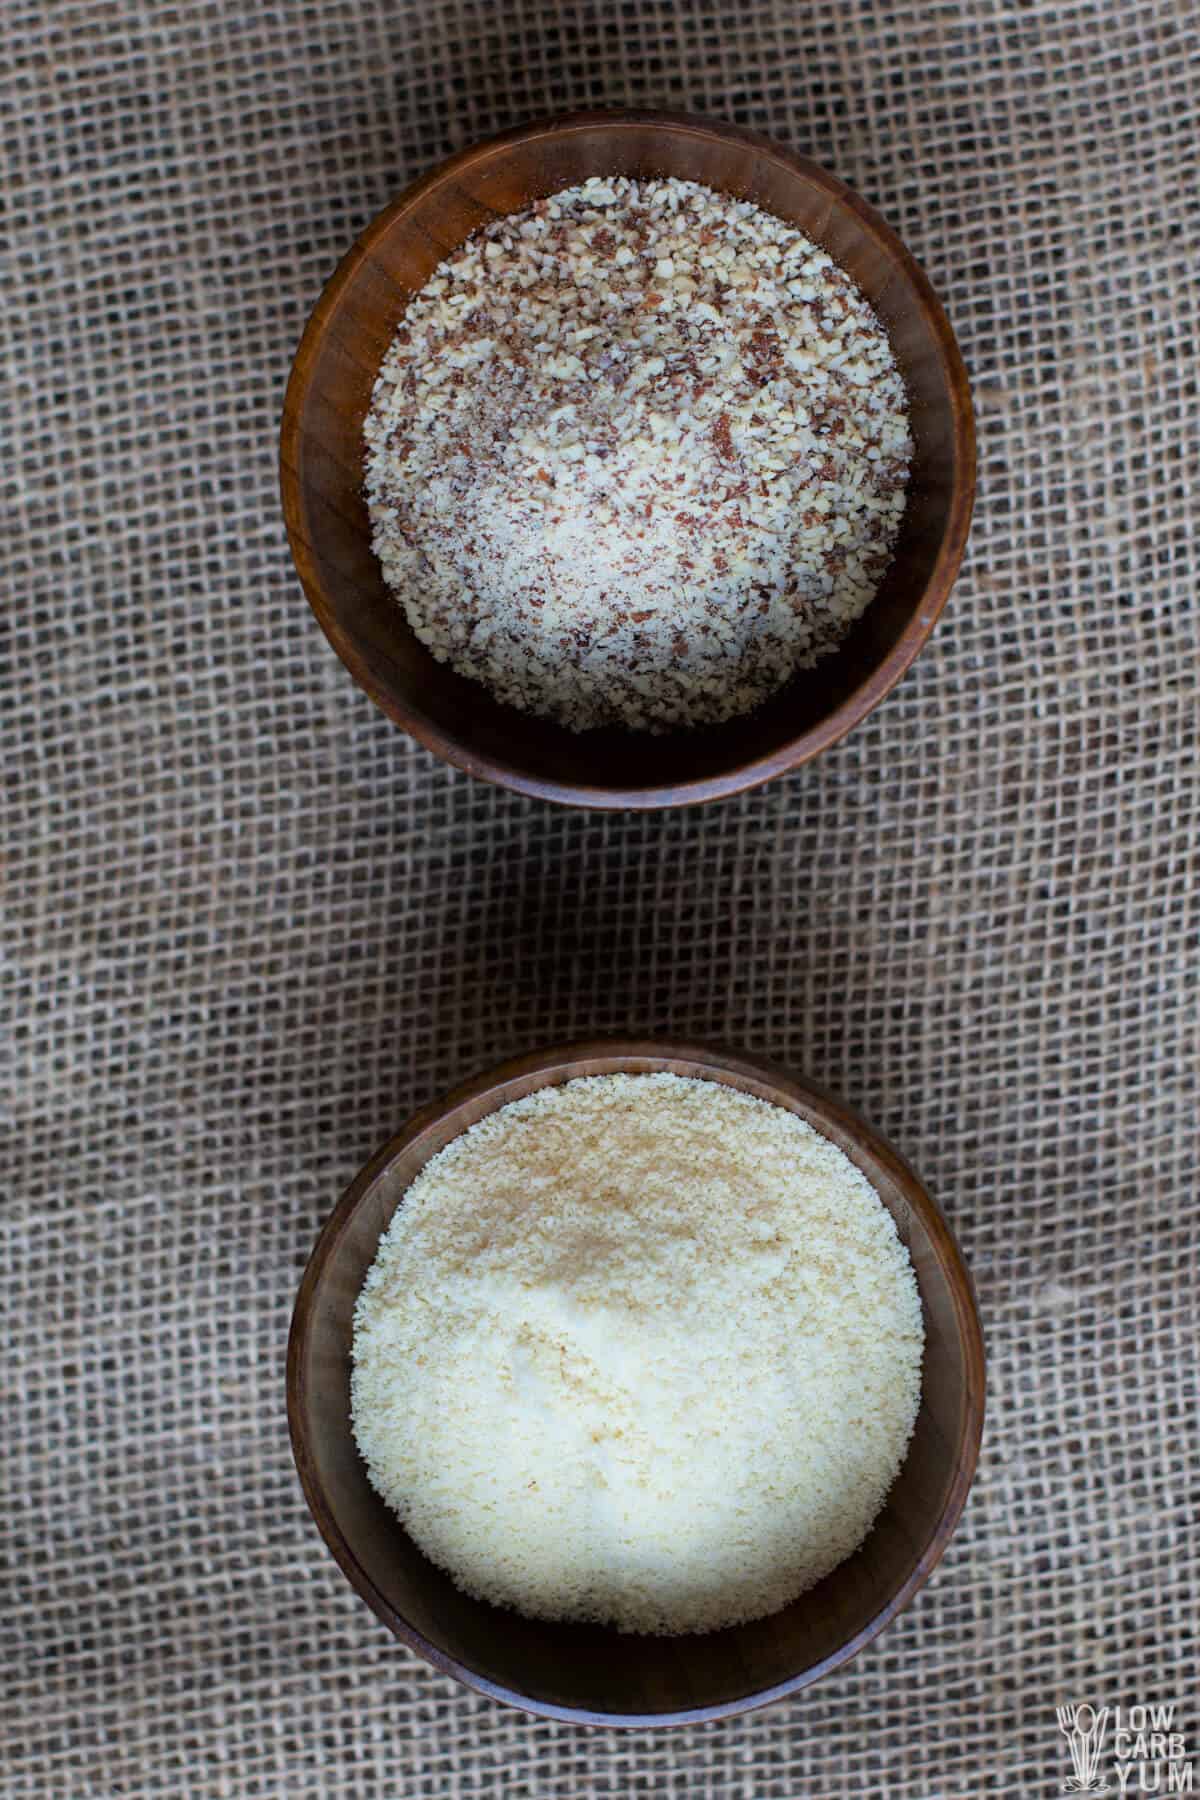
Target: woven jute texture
(251,926)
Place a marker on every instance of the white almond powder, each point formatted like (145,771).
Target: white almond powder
(641,1350)
(636,456)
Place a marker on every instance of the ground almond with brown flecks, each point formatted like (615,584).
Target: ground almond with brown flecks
(636,456)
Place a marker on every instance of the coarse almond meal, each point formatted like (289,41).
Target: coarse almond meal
(641,1349)
(636,455)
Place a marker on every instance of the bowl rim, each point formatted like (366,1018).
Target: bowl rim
(709,1062)
(875,686)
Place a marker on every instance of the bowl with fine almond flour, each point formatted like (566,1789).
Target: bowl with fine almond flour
(636,1383)
(628,460)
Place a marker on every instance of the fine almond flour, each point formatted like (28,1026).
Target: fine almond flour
(638,1349)
(636,456)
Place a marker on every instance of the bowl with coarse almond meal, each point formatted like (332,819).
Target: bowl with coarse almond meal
(628,460)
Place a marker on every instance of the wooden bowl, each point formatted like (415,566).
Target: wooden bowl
(322,465)
(591,1674)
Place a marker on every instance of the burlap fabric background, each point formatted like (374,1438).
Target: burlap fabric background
(252,926)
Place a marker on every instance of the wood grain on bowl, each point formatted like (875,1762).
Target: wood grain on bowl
(588,1673)
(322,465)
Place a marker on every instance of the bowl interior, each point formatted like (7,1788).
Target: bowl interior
(588,1672)
(327,520)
